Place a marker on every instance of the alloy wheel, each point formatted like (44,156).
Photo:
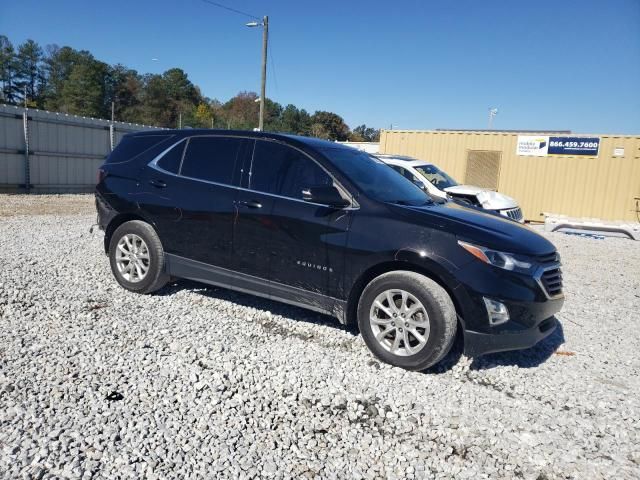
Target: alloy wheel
(132,258)
(399,322)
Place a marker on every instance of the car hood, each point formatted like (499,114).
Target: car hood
(475,226)
(488,198)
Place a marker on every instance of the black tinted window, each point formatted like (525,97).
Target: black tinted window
(283,170)
(170,161)
(374,177)
(211,158)
(132,146)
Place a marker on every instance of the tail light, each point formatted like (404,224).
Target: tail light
(101,175)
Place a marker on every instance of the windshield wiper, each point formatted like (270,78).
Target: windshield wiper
(411,204)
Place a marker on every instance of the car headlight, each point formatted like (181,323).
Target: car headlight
(507,261)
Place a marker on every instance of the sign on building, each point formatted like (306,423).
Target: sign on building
(532,145)
(542,146)
(587,146)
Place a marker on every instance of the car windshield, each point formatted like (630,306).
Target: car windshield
(375,178)
(435,176)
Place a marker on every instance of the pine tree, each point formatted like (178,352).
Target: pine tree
(7,71)
(29,70)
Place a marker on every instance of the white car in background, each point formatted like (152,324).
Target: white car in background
(438,184)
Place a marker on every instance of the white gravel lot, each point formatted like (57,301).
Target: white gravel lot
(96,382)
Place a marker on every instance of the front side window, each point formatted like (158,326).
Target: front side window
(211,158)
(375,178)
(282,170)
(436,176)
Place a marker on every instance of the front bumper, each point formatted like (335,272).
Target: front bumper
(531,311)
(479,343)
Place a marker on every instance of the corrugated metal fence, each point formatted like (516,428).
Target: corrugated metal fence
(606,186)
(53,152)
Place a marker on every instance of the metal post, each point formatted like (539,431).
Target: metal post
(112,136)
(112,127)
(27,173)
(179,120)
(263,87)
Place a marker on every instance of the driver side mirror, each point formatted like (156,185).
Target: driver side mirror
(325,195)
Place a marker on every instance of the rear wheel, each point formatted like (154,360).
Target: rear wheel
(407,319)
(137,257)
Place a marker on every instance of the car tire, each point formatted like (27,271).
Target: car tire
(137,257)
(399,308)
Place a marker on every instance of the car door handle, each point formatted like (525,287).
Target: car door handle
(158,183)
(250,204)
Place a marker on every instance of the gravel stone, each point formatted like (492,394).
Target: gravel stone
(221,384)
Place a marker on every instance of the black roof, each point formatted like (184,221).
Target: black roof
(188,132)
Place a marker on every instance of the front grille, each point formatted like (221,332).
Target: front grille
(551,280)
(549,258)
(514,214)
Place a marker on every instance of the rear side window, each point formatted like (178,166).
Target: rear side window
(211,158)
(132,146)
(170,161)
(285,171)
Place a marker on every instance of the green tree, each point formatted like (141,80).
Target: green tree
(318,130)
(365,134)
(179,87)
(124,89)
(29,70)
(333,126)
(7,70)
(58,63)
(84,91)
(296,121)
(168,96)
(241,111)
(272,116)
(204,115)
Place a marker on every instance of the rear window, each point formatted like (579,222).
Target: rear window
(132,146)
(211,158)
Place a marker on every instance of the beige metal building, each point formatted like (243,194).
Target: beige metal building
(545,171)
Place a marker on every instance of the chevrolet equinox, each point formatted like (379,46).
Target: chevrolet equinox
(329,228)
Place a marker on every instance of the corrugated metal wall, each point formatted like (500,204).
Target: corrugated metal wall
(64,150)
(604,187)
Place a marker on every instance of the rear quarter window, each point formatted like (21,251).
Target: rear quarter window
(133,146)
(170,161)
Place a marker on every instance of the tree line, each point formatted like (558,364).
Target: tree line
(67,80)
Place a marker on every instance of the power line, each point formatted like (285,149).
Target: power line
(210,2)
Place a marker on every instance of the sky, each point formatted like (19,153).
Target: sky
(410,64)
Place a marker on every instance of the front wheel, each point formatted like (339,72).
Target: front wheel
(137,257)
(407,320)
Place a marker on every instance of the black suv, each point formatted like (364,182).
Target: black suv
(329,228)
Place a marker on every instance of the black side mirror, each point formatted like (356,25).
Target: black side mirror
(326,195)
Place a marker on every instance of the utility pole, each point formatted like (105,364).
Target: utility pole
(113,111)
(179,120)
(263,87)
